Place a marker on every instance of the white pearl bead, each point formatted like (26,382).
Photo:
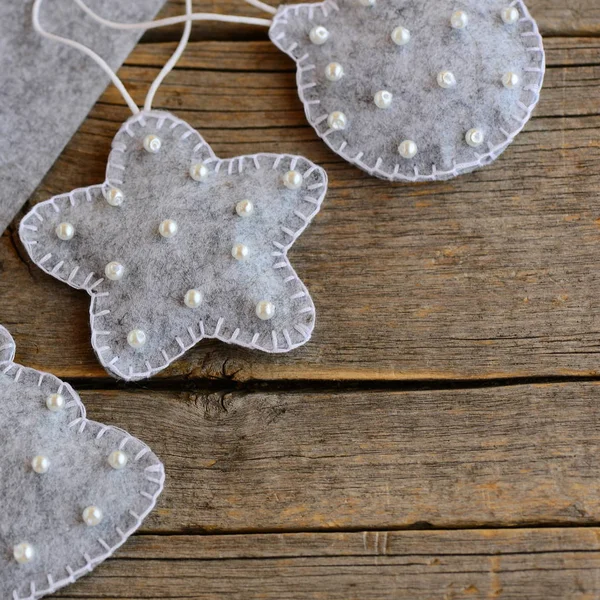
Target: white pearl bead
(114,271)
(334,71)
(292,180)
(136,339)
(239,252)
(40,464)
(199,172)
(244,208)
(446,79)
(55,402)
(265,310)
(152,144)
(319,35)
(407,149)
(114,196)
(92,516)
(117,460)
(474,137)
(383,99)
(459,19)
(193,298)
(510,15)
(401,36)
(23,553)
(367,2)
(65,231)
(168,228)
(510,80)
(337,120)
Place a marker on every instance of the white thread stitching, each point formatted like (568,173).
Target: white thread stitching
(91,562)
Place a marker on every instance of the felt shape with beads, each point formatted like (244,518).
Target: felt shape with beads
(410,90)
(178,245)
(72,490)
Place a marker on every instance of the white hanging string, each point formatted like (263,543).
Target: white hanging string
(188,18)
(262,6)
(174,20)
(173,60)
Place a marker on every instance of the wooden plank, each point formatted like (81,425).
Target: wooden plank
(260,56)
(555,18)
(490,275)
(236,462)
(534,564)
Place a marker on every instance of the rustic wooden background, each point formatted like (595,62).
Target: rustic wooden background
(439,437)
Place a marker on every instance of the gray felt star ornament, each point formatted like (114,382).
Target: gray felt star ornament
(411,90)
(72,490)
(178,245)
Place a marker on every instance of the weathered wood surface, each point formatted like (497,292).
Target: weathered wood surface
(555,18)
(541,564)
(280,491)
(490,275)
(513,455)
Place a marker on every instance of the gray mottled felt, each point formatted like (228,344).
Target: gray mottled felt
(46,89)
(159,271)
(45,510)
(436,119)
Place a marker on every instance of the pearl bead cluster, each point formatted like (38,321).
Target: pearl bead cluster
(24,552)
(292,180)
(383,99)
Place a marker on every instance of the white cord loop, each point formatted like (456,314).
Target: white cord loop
(176,20)
(173,60)
(262,6)
(188,18)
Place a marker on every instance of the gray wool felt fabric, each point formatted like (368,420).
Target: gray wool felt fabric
(159,271)
(436,119)
(46,510)
(46,89)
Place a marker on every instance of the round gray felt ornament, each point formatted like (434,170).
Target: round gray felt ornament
(72,490)
(410,90)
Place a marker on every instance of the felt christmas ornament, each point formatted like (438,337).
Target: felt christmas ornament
(410,90)
(72,490)
(178,245)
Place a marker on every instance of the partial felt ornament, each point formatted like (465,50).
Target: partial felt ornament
(432,68)
(178,245)
(73,490)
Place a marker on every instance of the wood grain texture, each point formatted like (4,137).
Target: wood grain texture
(338,489)
(379,565)
(490,275)
(555,18)
(514,455)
